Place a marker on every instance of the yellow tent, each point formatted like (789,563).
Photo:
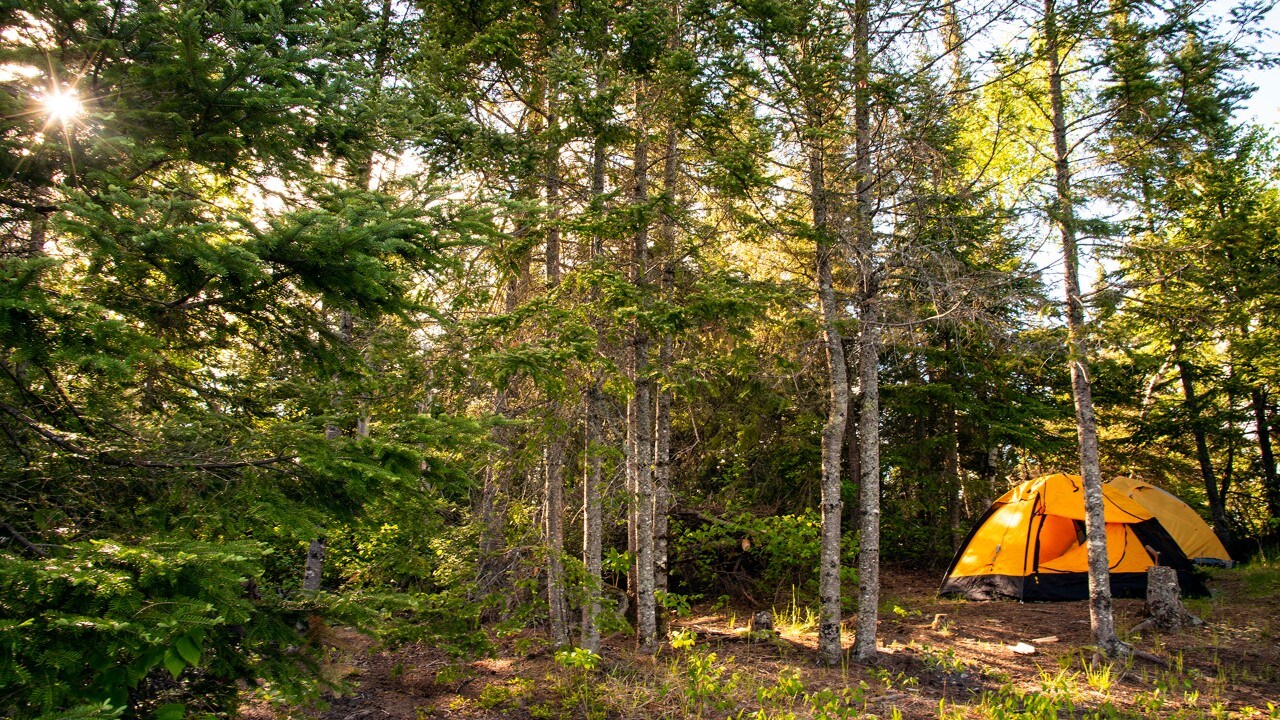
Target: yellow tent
(1029,545)
(1192,533)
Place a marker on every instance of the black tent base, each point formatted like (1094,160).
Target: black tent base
(1058,586)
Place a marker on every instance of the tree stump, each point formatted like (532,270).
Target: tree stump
(1165,610)
(762,622)
(315,567)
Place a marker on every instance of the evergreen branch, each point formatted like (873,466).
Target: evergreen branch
(20,205)
(84,453)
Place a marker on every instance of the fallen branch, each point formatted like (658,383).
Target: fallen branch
(23,541)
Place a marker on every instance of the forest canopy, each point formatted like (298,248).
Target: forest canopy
(425,316)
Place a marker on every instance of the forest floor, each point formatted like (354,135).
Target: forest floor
(940,658)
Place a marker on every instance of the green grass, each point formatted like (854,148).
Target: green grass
(1261,576)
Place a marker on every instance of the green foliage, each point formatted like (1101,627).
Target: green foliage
(144,627)
(771,552)
(708,682)
(580,691)
(679,605)
(578,658)
(1261,576)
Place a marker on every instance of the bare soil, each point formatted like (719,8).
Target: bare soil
(938,656)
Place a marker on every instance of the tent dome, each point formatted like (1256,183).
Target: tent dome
(1192,533)
(1030,545)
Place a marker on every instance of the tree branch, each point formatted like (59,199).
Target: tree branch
(61,441)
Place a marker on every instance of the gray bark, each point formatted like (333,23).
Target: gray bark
(314,568)
(1101,615)
(553,494)
(830,647)
(864,647)
(662,406)
(592,516)
(553,524)
(869,531)
(39,221)
(951,468)
(852,449)
(629,451)
(493,509)
(1164,603)
(642,410)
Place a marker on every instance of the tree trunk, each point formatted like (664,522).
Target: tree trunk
(830,648)
(493,509)
(662,406)
(553,505)
(1164,603)
(864,646)
(642,425)
(852,449)
(951,469)
(39,223)
(1217,504)
(553,519)
(953,45)
(592,515)
(314,568)
(1270,482)
(869,531)
(1101,616)
(632,472)
(553,170)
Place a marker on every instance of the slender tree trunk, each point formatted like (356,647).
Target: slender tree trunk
(951,469)
(830,647)
(497,479)
(553,505)
(315,567)
(592,515)
(951,454)
(1217,504)
(553,192)
(662,406)
(493,508)
(554,526)
(662,478)
(864,647)
(39,223)
(642,425)
(869,530)
(633,472)
(1101,616)
(953,45)
(1270,481)
(493,502)
(852,448)
(346,332)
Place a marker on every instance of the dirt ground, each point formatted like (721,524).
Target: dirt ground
(939,658)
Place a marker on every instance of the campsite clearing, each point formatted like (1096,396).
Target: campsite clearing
(941,657)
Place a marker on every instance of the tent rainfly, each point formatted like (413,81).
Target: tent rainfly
(1030,545)
(1189,530)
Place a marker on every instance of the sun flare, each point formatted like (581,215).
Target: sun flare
(62,106)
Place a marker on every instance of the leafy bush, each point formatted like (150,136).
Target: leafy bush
(154,629)
(774,552)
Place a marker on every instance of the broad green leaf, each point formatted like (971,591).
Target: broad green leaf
(187,650)
(174,663)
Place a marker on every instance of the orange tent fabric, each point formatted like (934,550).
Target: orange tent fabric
(1192,533)
(1030,546)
